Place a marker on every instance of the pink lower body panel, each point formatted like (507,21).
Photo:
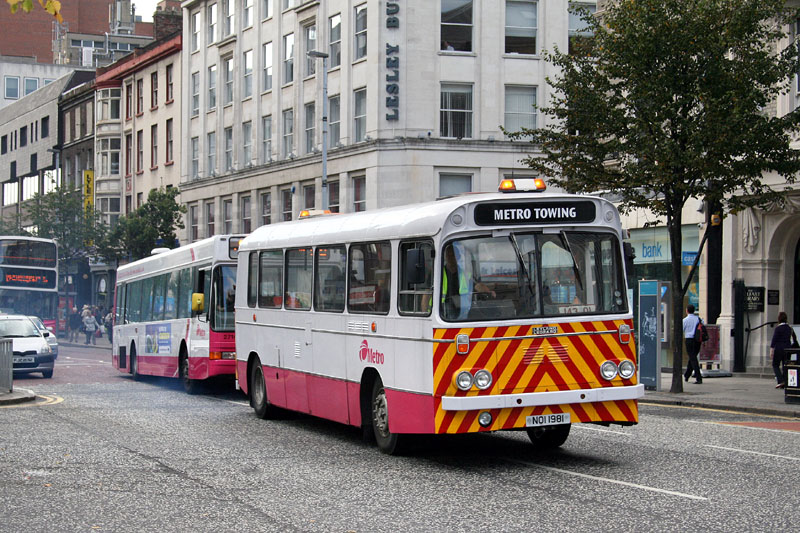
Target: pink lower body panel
(203,368)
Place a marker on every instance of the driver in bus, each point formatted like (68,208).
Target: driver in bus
(458,285)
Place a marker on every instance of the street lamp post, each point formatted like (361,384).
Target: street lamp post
(324,56)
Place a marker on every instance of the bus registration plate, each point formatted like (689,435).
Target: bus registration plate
(24,360)
(547,420)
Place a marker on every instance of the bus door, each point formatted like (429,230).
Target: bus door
(200,329)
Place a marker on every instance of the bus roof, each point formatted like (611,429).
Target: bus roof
(413,220)
(196,252)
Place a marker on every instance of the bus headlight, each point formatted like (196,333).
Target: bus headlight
(483,379)
(627,369)
(464,380)
(608,370)
(485,419)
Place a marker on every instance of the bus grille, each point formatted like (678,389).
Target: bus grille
(542,353)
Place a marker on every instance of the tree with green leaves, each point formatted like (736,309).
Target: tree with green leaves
(152,224)
(61,215)
(670,101)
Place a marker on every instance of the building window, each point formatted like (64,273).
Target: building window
(228,148)
(334,121)
(211,23)
(286,204)
(23,136)
(228,8)
(209,219)
(266,139)
(211,153)
(267,70)
(31,84)
(266,208)
(128,100)
(12,87)
(194,230)
(286,4)
(521,26)
(454,184)
(288,58)
(109,156)
(310,121)
(247,74)
(227,68)
(520,111)
(360,48)
(266,9)
(457,25)
(170,153)
(360,116)
(3,144)
(335,37)
(195,31)
(195,93)
(333,196)
(170,85)
(456,111)
(128,154)
(195,164)
(310,35)
(153,89)
(227,216)
(45,127)
(153,146)
(579,31)
(140,151)
(247,13)
(288,133)
(212,87)
(245,208)
(247,143)
(359,194)
(108,104)
(139,97)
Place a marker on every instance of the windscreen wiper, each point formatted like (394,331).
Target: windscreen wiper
(565,241)
(529,284)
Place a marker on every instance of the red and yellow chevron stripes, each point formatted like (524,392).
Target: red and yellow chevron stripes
(520,363)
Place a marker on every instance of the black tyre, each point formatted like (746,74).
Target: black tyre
(257,388)
(191,386)
(549,437)
(134,363)
(388,442)
(47,374)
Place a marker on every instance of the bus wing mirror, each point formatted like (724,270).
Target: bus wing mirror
(415,266)
(630,255)
(198,302)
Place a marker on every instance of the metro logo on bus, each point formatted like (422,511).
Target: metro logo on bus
(504,214)
(368,355)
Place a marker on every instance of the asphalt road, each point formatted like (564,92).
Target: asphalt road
(101,452)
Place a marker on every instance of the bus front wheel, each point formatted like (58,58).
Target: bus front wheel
(258,393)
(388,442)
(549,437)
(189,385)
(134,364)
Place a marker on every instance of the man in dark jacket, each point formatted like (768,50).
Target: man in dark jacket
(74,325)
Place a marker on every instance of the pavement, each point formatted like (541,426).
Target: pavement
(742,392)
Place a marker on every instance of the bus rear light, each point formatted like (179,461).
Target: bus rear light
(462,344)
(464,380)
(624,334)
(608,370)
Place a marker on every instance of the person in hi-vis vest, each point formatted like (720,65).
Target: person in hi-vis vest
(458,284)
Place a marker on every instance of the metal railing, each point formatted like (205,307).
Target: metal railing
(6,365)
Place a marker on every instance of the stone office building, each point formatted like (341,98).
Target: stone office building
(417,94)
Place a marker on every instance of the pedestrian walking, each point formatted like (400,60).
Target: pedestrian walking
(90,326)
(75,324)
(783,337)
(108,323)
(690,324)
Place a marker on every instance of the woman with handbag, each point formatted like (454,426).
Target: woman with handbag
(90,325)
(783,337)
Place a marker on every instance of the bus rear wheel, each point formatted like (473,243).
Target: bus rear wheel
(388,442)
(189,385)
(134,364)
(258,393)
(549,437)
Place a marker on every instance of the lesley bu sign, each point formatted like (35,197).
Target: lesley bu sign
(522,213)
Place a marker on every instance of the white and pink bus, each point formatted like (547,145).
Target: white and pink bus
(174,312)
(482,312)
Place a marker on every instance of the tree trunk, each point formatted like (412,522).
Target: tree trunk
(676,246)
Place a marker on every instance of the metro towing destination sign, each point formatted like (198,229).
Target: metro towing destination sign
(520,213)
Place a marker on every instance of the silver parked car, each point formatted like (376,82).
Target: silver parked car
(32,353)
(48,333)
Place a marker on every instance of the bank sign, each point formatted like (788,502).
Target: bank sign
(520,213)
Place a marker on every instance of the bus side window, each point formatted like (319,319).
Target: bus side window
(270,279)
(329,278)
(171,301)
(252,279)
(370,278)
(185,294)
(416,278)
